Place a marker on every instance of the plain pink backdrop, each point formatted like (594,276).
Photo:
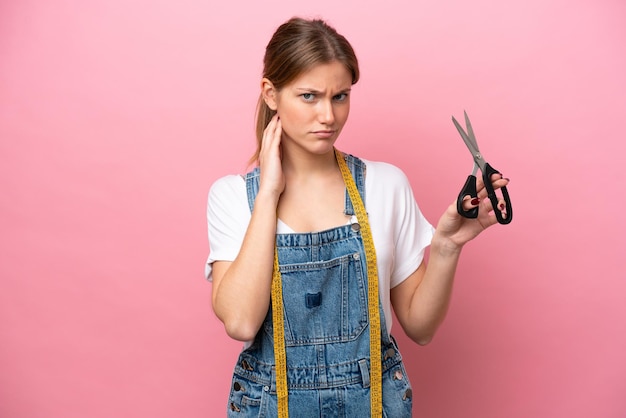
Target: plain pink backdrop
(116,116)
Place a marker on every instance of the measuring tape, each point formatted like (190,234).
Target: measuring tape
(280,354)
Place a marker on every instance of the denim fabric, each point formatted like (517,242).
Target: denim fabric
(324,279)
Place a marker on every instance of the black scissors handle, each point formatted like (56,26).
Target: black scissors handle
(491,193)
(469,189)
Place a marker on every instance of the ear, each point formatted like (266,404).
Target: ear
(269,93)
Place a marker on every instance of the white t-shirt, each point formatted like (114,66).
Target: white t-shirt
(399,230)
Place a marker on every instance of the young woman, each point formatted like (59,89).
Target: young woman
(317,342)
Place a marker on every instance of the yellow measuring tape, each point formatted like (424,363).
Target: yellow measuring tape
(280,354)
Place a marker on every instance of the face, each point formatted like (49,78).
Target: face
(314,107)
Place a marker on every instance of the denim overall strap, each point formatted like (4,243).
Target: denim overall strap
(357,168)
(252,186)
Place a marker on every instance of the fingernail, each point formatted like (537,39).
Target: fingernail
(475,201)
(506,178)
(501,206)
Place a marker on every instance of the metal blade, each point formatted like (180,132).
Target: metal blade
(468,142)
(470,131)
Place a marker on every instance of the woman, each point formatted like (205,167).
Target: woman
(308,349)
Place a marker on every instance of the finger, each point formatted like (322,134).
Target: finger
(502,208)
(497,182)
(277,134)
(470,202)
(486,212)
(487,206)
(269,133)
(496,178)
(271,127)
(486,216)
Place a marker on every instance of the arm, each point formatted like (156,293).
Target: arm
(421,301)
(241,288)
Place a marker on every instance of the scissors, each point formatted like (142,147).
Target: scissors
(469,189)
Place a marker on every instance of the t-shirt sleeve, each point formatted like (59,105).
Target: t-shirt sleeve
(401,231)
(228,216)
(413,233)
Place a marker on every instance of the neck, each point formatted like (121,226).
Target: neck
(302,163)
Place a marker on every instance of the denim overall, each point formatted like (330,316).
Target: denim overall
(324,280)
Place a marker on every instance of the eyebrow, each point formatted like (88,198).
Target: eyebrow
(314,91)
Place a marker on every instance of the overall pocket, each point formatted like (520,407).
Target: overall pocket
(324,302)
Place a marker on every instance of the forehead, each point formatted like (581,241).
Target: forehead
(333,75)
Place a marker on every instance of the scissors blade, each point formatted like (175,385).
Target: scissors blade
(470,131)
(469,142)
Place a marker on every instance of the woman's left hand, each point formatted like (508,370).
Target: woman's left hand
(458,230)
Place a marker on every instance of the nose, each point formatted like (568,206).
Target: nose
(326,112)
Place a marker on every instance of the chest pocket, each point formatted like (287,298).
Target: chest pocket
(324,302)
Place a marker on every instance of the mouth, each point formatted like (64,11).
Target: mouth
(324,133)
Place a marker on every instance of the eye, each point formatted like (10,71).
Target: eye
(308,97)
(340,97)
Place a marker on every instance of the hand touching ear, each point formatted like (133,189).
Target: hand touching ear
(272,177)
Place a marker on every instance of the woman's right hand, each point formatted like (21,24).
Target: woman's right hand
(272,178)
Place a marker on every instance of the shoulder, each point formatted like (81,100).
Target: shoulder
(227,190)
(383,168)
(232,183)
(389,176)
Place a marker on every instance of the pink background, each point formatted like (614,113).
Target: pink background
(116,116)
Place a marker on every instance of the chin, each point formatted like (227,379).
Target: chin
(314,146)
(323,147)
